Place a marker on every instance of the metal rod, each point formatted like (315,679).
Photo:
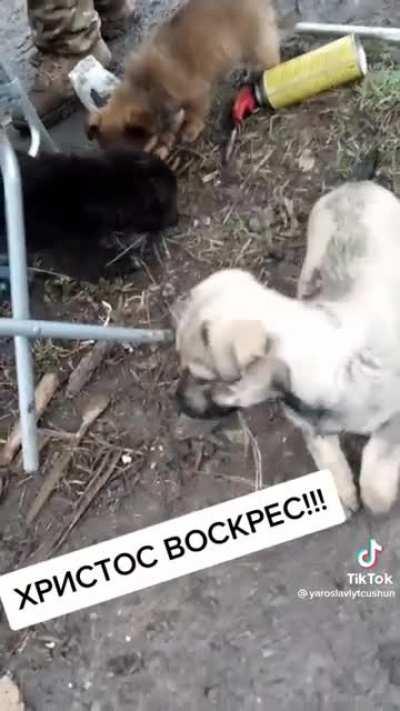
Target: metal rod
(20,301)
(38,131)
(13,91)
(390,34)
(30,328)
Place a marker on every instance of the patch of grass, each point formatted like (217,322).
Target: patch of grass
(365,123)
(380,91)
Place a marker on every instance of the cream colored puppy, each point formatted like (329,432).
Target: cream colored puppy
(332,356)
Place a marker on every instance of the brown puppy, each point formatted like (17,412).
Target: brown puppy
(166,90)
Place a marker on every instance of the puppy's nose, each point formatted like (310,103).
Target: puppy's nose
(195,399)
(181,395)
(186,408)
(192,397)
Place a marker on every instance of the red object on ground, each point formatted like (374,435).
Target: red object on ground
(245,104)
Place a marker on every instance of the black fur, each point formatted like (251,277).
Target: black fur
(72,201)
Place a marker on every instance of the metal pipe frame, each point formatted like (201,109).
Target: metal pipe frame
(13,93)
(388,34)
(20,301)
(29,328)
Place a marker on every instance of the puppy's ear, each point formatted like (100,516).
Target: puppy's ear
(235,345)
(92,125)
(250,343)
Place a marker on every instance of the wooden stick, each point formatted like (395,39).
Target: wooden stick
(100,478)
(86,367)
(230,145)
(43,395)
(95,408)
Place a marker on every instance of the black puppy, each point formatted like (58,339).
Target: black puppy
(72,201)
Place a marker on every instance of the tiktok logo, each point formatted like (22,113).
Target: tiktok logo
(368,557)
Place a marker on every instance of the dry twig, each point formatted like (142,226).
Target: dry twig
(86,367)
(92,412)
(43,395)
(256,454)
(100,478)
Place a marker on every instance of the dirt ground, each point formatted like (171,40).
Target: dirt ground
(234,637)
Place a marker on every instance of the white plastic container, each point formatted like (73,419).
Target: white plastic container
(92,83)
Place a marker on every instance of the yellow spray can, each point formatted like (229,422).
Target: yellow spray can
(327,67)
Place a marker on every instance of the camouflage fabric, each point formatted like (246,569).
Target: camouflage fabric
(69,27)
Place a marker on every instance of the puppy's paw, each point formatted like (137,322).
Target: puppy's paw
(309,287)
(161,146)
(378,498)
(379,479)
(349,499)
(191,131)
(151,144)
(162,152)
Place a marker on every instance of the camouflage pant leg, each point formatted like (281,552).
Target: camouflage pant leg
(64,26)
(109,7)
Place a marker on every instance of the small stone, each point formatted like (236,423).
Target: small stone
(267,652)
(168,290)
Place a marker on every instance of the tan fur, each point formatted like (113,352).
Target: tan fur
(167,85)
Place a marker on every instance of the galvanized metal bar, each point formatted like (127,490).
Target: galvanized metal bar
(12,93)
(31,328)
(38,131)
(389,34)
(20,301)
